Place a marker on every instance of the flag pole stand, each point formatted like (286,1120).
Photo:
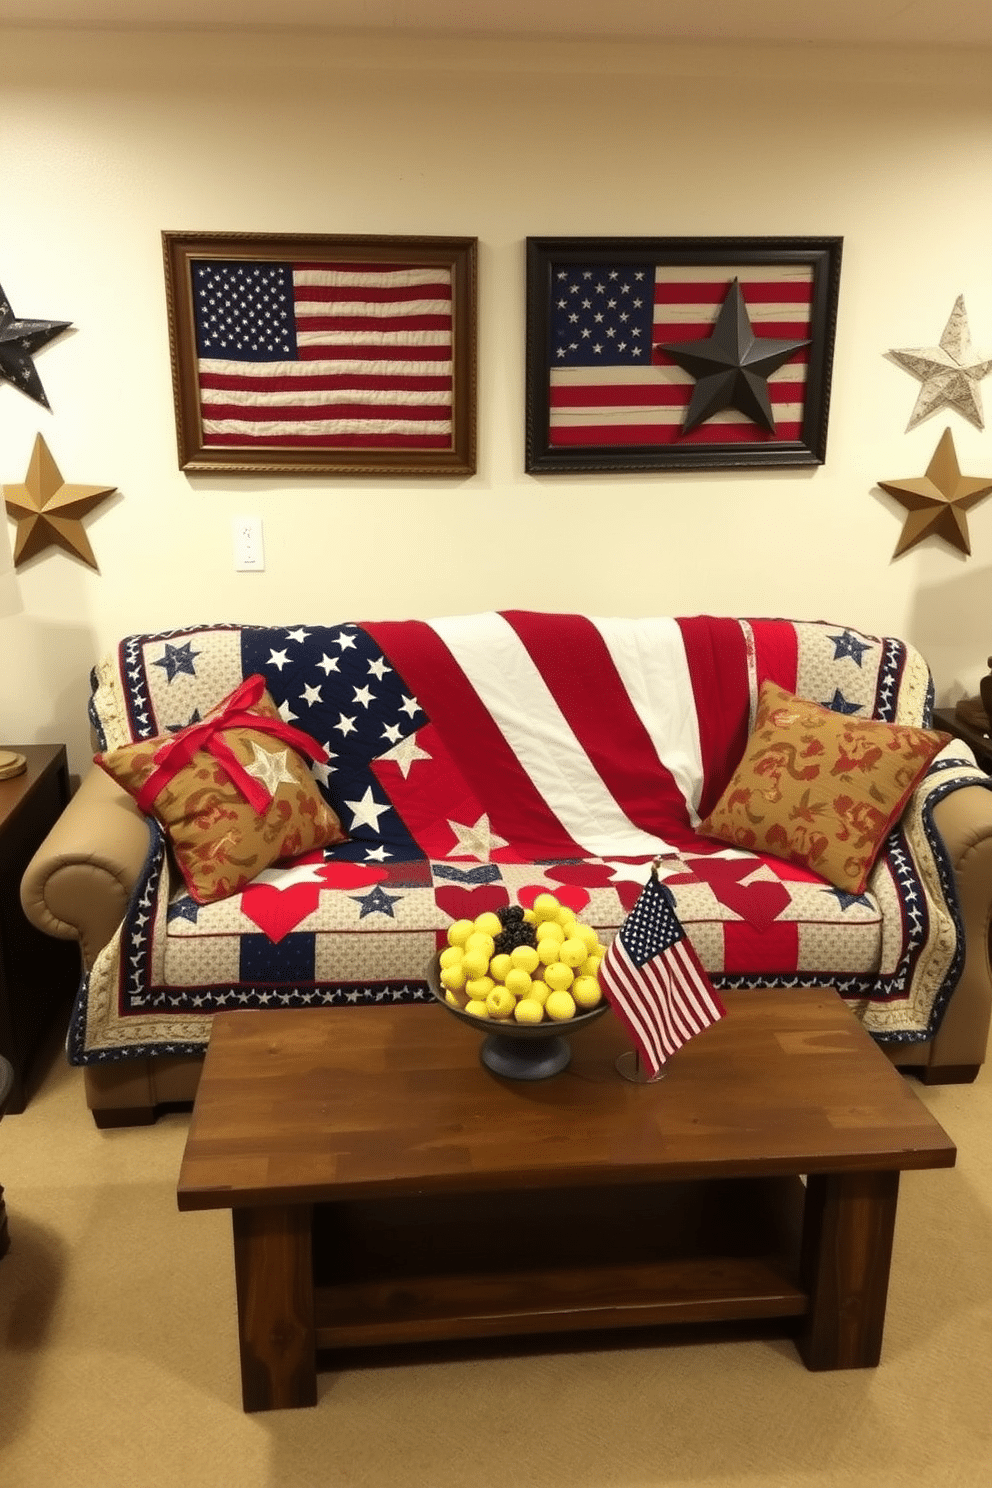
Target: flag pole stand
(629,1066)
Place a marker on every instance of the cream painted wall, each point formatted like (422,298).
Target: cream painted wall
(107,138)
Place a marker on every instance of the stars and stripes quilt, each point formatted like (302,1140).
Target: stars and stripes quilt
(480,760)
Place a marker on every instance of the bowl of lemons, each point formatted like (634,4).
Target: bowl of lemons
(526,979)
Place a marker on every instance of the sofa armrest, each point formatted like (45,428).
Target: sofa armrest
(964,820)
(78,884)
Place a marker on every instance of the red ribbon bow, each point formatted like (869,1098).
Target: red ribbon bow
(208,735)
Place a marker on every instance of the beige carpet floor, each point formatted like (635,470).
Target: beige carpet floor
(118,1354)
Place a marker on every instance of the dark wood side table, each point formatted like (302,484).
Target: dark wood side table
(6,1082)
(981,744)
(38,974)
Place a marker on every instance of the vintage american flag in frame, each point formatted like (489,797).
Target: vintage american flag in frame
(679,353)
(302,354)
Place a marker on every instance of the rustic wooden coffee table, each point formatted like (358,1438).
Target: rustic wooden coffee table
(386,1188)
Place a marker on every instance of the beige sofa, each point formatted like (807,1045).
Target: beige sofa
(82,881)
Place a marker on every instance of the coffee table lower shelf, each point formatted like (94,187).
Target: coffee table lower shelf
(333,1277)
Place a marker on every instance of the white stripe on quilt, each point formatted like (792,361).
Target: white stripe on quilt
(497,664)
(649,654)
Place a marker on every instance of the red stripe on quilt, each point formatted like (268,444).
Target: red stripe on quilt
(515,808)
(717,658)
(776,646)
(578,671)
(717,653)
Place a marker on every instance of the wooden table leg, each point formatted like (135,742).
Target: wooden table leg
(274,1275)
(847,1249)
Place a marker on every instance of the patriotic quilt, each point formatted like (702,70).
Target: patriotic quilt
(480,760)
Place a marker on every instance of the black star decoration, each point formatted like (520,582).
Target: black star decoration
(19,339)
(731,366)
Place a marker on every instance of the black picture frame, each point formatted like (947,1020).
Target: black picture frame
(634,418)
(330,431)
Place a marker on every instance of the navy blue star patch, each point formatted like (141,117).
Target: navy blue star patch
(177,728)
(184,909)
(377,902)
(849,645)
(178,659)
(839,704)
(845,900)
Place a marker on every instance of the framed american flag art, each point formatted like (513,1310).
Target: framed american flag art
(299,354)
(679,353)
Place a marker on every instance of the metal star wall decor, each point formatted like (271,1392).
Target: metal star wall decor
(48,511)
(19,339)
(950,372)
(731,366)
(937,501)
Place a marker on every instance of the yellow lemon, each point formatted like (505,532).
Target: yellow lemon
(586,992)
(459,932)
(475,963)
(518,982)
(500,1003)
(453,978)
(539,992)
(456,999)
(559,977)
(525,957)
(478,941)
(589,967)
(546,907)
(477,1009)
(547,950)
(530,918)
(572,952)
(549,930)
(560,1007)
(488,923)
(566,919)
(528,1010)
(451,956)
(479,988)
(499,966)
(589,935)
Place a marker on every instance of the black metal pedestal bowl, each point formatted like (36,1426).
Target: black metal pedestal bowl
(519,1051)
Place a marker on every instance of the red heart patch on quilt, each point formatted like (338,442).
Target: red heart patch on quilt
(588,875)
(277,910)
(759,903)
(569,894)
(629,892)
(465,904)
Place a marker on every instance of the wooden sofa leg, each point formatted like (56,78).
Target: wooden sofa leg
(114,1116)
(948,1074)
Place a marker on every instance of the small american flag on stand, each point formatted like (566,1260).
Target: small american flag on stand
(655,982)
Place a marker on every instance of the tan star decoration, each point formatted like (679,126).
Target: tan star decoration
(48,511)
(950,372)
(475,840)
(270,768)
(405,753)
(937,501)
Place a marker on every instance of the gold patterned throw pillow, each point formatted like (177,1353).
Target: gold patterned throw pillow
(819,788)
(232,791)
